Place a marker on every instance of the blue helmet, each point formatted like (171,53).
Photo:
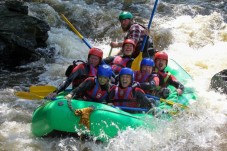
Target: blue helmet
(105,71)
(147,62)
(127,71)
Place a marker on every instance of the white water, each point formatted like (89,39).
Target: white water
(197,42)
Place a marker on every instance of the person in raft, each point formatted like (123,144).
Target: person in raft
(124,60)
(145,78)
(125,95)
(136,32)
(165,78)
(81,72)
(94,89)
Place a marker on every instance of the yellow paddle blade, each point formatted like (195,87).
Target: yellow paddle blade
(173,103)
(42,88)
(136,62)
(28,96)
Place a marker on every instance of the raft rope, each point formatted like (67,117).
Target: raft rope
(70,105)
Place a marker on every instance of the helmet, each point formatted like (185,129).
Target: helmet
(96,52)
(161,55)
(147,62)
(105,71)
(129,41)
(127,71)
(125,15)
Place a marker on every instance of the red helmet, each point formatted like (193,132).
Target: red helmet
(161,55)
(96,52)
(129,41)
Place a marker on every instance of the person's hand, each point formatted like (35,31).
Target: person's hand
(179,91)
(51,96)
(114,44)
(68,97)
(136,84)
(154,102)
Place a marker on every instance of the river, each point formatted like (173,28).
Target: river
(194,34)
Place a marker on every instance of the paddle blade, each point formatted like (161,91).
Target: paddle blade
(28,96)
(136,62)
(173,103)
(42,90)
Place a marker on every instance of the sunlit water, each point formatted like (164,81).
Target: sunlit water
(194,34)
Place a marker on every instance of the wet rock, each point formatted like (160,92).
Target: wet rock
(219,81)
(20,35)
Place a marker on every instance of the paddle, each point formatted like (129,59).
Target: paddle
(28,96)
(110,51)
(167,101)
(42,90)
(76,31)
(36,92)
(137,60)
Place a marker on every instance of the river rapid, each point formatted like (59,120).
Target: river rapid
(194,34)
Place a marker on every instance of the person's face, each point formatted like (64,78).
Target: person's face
(125,24)
(146,69)
(128,49)
(160,63)
(103,80)
(94,60)
(125,80)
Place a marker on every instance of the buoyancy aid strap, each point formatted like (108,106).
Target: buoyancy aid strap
(95,89)
(92,70)
(145,77)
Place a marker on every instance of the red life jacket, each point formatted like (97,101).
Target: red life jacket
(124,94)
(145,77)
(141,77)
(165,76)
(119,63)
(96,93)
(84,75)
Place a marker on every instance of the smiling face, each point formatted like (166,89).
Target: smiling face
(160,64)
(128,49)
(146,69)
(94,60)
(125,80)
(103,80)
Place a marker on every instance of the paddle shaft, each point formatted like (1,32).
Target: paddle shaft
(76,31)
(110,51)
(149,24)
(167,101)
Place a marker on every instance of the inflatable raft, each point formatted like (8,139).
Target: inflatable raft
(100,121)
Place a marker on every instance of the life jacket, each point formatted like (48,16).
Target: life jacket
(96,93)
(124,94)
(72,66)
(145,77)
(141,77)
(164,76)
(119,63)
(88,71)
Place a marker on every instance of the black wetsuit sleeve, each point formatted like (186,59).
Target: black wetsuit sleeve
(83,87)
(150,85)
(110,96)
(129,63)
(142,99)
(69,80)
(109,60)
(176,84)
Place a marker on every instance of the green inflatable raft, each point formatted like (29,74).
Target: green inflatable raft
(100,121)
